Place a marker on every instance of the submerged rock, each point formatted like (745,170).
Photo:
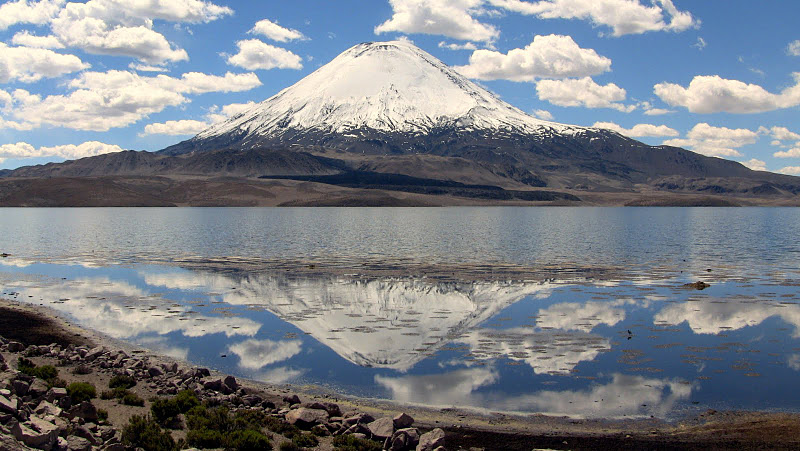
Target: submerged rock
(700,285)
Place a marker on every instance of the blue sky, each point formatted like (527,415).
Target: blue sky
(721,77)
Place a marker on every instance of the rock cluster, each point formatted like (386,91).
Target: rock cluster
(47,418)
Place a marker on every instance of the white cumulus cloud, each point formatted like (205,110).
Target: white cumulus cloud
(714,94)
(552,56)
(276,32)
(69,151)
(715,141)
(175,128)
(254,54)
(25,39)
(28,65)
(544,115)
(27,11)
(791,153)
(256,354)
(582,92)
(755,164)
(454,46)
(638,130)
(794,48)
(451,18)
(622,16)
(100,101)
(193,127)
(790,170)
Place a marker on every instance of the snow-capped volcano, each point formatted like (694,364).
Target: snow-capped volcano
(377,87)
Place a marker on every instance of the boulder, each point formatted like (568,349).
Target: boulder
(7,443)
(94,353)
(45,408)
(202,372)
(291,399)
(231,383)
(431,440)
(217,385)
(382,428)
(36,433)
(15,346)
(306,418)
(20,387)
(403,421)
(55,393)
(155,371)
(8,405)
(404,439)
(332,409)
(38,388)
(85,410)
(75,443)
(361,418)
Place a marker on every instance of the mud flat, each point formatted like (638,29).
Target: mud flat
(46,417)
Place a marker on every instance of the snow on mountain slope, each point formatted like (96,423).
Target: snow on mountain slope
(392,87)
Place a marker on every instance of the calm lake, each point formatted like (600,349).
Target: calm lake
(566,311)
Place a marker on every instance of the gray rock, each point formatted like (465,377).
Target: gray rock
(15,346)
(94,353)
(306,418)
(85,410)
(20,387)
(361,418)
(8,405)
(382,428)
(38,388)
(115,447)
(291,399)
(36,433)
(55,393)
(45,408)
(403,439)
(320,430)
(431,440)
(8,443)
(170,367)
(75,443)
(403,421)
(231,383)
(202,372)
(155,371)
(84,432)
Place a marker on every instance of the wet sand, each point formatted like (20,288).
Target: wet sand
(33,324)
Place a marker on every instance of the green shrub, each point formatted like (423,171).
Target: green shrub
(48,373)
(305,440)
(289,446)
(132,399)
(102,416)
(281,427)
(350,443)
(143,432)
(250,419)
(204,438)
(122,381)
(166,410)
(117,393)
(81,391)
(247,440)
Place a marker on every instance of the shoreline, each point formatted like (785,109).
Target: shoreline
(464,428)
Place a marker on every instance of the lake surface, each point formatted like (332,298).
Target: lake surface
(619,336)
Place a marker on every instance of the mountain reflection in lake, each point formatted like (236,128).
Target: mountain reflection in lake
(578,347)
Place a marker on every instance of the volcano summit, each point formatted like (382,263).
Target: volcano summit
(386,123)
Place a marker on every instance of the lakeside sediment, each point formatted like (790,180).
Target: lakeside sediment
(50,340)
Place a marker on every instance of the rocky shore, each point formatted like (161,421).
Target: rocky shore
(64,388)
(48,414)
